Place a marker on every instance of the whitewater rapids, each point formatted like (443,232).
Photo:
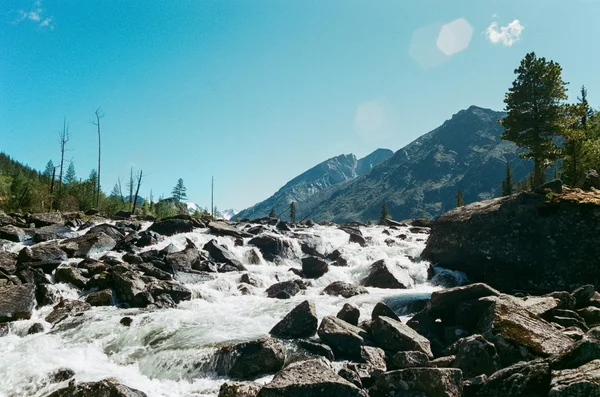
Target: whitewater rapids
(165,352)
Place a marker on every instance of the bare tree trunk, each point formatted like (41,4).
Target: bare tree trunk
(137,191)
(120,190)
(99,115)
(63,139)
(130,188)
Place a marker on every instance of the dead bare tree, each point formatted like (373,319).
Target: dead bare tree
(139,176)
(130,187)
(120,190)
(99,114)
(63,136)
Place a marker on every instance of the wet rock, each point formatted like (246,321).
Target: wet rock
(183,260)
(239,389)
(301,322)
(221,254)
(5,329)
(176,291)
(349,314)
(8,263)
(381,309)
(14,234)
(309,249)
(525,379)
(33,276)
(443,362)
(47,256)
(36,328)
(350,375)
(318,349)
(271,246)
(46,219)
(381,276)
(61,375)
(249,278)
(110,230)
(309,379)
(347,290)
(169,227)
(394,336)
(153,271)
(147,238)
(68,274)
(45,295)
(344,339)
(126,321)
(131,289)
(16,302)
(252,359)
(569,322)
(103,388)
(87,245)
(290,288)
(358,239)
(591,315)
(410,359)
(475,356)
(66,308)
(100,298)
(314,267)
(252,256)
(223,229)
(574,333)
(419,382)
(577,382)
(446,301)
(134,259)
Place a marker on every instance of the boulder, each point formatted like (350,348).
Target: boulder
(46,219)
(251,359)
(61,375)
(583,381)
(68,274)
(583,295)
(169,227)
(301,322)
(394,336)
(381,276)
(46,256)
(381,309)
(110,230)
(36,328)
(90,244)
(14,234)
(525,379)
(131,289)
(311,378)
(100,298)
(66,308)
(16,302)
(591,180)
(285,289)
(8,263)
(271,246)
(176,291)
(103,388)
(311,250)
(346,290)
(221,254)
(475,356)
(239,389)
(183,260)
(52,232)
(410,359)
(520,242)
(444,302)
(580,353)
(419,382)
(344,339)
(313,267)
(153,271)
(591,315)
(567,301)
(223,229)
(349,314)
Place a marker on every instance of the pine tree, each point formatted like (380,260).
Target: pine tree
(49,170)
(460,202)
(70,176)
(535,110)
(179,191)
(116,192)
(272,213)
(385,215)
(576,135)
(508,186)
(293,212)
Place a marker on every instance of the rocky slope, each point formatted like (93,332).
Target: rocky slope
(465,153)
(322,176)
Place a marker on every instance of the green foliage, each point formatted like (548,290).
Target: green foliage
(385,215)
(272,213)
(49,170)
(460,202)
(164,209)
(179,191)
(508,186)
(70,177)
(293,212)
(370,222)
(536,113)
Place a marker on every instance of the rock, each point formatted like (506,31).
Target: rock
(32,276)
(577,355)
(252,256)
(35,329)
(583,295)
(110,230)
(53,232)
(318,349)
(100,298)
(68,274)
(61,375)
(410,359)
(419,382)
(221,254)
(249,278)
(126,321)
(591,180)
(89,244)
(169,227)
(131,289)
(445,301)
(176,291)
(66,308)
(290,288)
(346,290)
(314,267)
(381,309)
(545,252)
(222,229)
(394,336)
(525,379)
(350,375)
(443,362)
(574,333)
(472,386)
(16,302)
(380,276)
(153,271)
(311,378)
(47,256)
(358,239)
(47,219)
(239,389)
(301,322)
(567,301)
(475,356)
(538,304)
(554,186)
(349,314)
(103,388)
(583,381)
(14,234)
(569,322)
(44,295)
(344,339)
(591,315)
(271,246)
(5,329)
(147,238)
(8,263)
(252,359)
(311,250)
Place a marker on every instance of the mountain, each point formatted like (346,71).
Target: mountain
(322,176)
(422,179)
(225,214)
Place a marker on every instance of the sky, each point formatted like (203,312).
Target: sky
(255,92)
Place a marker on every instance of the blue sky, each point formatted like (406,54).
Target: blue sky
(255,92)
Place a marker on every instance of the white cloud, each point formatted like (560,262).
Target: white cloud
(505,35)
(36,14)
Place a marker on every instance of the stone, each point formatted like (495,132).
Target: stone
(16,302)
(311,378)
(129,288)
(591,180)
(47,256)
(109,230)
(394,336)
(223,229)
(410,359)
(239,389)
(349,314)
(475,356)
(103,388)
(184,259)
(90,244)
(126,321)
(591,315)
(100,298)
(380,276)
(578,382)
(71,275)
(419,382)
(45,219)
(580,353)
(36,328)
(14,234)
(525,379)
(443,362)
(447,300)
(290,288)
(271,246)
(221,254)
(567,301)
(66,308)
(344,339)
(381,309)
(301,322)
(318,349)
(171,226)
(583,295)
(61,375)
(346,290)
(252,359)
(313,267)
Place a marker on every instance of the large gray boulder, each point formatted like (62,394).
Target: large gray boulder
(381,276)
(520,242)
(344,339)
(578,382)
(419,382)
(252,359)
(221,254)
(313,267)
(346,290)
(14,234)
(475,356)
(394,336)
(271,246)
(16,302)
(525,379)
(313,378)
(223,229)
(169,227)
(90,244)
(239,389)
(301,322)
(47,256)
(103,388)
